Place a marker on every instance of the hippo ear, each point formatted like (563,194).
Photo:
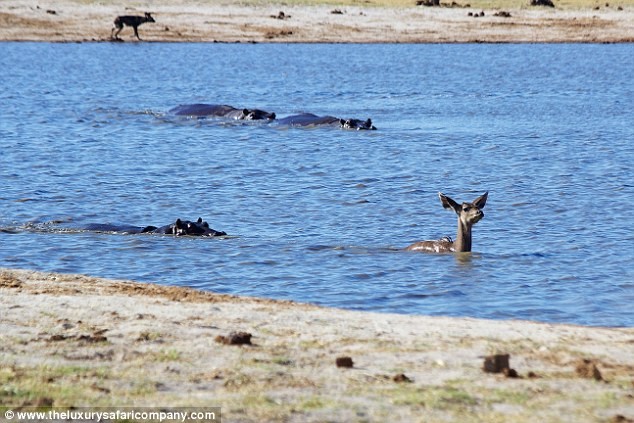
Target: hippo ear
(342,122)
(272,116)
(368,122)
(245,112)
(200,220)
(179,223)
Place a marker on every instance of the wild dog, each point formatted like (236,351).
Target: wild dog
(129,20)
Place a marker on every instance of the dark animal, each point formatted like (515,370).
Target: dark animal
(178,228)
(129,20)
(224,111)
(468,215)
(311,120)
(547,3)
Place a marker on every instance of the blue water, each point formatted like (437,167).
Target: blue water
(320,215)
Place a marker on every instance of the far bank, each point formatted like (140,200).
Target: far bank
(321,22)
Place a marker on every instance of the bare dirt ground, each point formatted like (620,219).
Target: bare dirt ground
(71,340)
(363,22)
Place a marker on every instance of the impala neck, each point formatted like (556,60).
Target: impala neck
(462,244)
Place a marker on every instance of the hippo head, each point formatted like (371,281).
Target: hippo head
(357,124)
(256,114)
(197,228)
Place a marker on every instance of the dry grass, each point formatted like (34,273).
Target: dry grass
(68,340)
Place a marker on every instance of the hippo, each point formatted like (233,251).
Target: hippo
(178,228)
(185,227)
(224,111)
(311,120)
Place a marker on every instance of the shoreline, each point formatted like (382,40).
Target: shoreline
(73,340)
(183,21)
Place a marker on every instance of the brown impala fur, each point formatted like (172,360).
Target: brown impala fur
(468,215)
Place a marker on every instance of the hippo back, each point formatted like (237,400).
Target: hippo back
(108,227)
(216,110)
(309,119)
(220,110)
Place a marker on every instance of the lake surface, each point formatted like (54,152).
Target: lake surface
(321,215)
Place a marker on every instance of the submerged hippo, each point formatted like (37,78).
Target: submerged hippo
(311,120)
(178,228)
(218,110)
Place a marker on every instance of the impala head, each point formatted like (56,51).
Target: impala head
(468,213)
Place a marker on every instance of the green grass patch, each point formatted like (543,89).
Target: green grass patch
(47,385)
(168,355)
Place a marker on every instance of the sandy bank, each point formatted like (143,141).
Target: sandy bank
(191,21)
(71,340)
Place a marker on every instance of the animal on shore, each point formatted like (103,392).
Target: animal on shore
(468,215)
(221,110)
(309,120)
(178,228)
(129,20)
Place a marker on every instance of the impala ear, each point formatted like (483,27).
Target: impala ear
(448,203)
(481,200)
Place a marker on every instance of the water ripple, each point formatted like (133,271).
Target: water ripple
(318,215)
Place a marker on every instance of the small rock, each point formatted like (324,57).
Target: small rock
(619,418)
(281,16)
(428,3)
(400,378)
(344,362)
(547,3)
(235,338)
(510,373)
(496,363)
